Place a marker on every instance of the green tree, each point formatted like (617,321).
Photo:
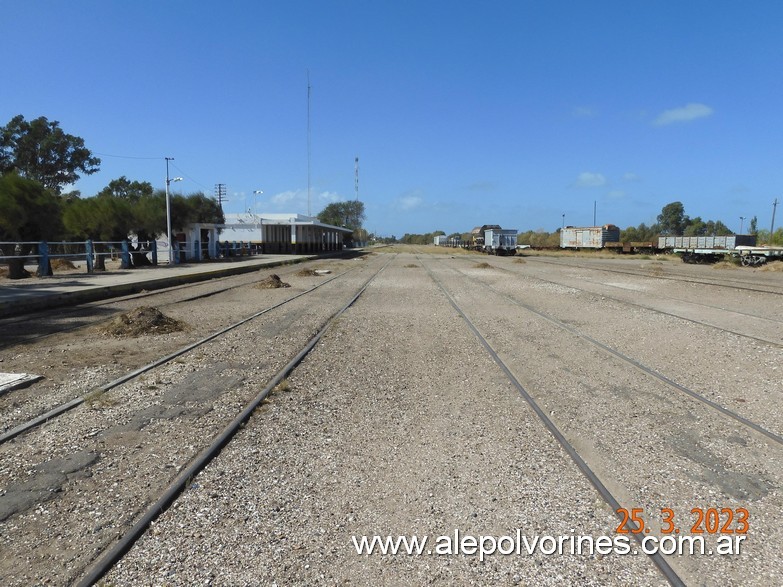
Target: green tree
(696,227)
(753,227)
(40,150)
(132,191)
(193,209)
(149,215)
(672,219)
(349,214)
(28,212)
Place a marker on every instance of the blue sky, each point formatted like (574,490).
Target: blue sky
(461,113)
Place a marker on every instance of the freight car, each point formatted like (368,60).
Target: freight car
(588,237)
(498,241)
(476,242)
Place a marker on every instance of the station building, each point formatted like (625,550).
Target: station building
(283,234)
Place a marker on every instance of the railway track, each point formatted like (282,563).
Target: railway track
(774,326)
(571,405)
(165,399)
(127,357)
(57,411)
(595,480)
(633,435)
(17,329)
(631,362)
(740,284)
(110,557)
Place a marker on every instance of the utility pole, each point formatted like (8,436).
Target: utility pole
(220,194)
(772,226)
(595,207)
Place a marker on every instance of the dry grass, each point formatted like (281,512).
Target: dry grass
(776,266)
(483,265)
(656,269)
(726,264)
(429,249)
(305,273)
(140,321)
(99,399)
(62,265)
(272,282)
(519,260)
(410,266)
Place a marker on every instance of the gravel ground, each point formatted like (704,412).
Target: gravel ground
(399,423)
(413,431)
(69,488)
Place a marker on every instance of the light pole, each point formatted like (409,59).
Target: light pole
(742,221)
(256,193)
(168,210)
(563,220)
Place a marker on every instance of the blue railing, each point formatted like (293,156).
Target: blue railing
(42,252)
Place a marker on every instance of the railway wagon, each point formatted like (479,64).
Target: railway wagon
(588,237)
(729,242)
(499,241)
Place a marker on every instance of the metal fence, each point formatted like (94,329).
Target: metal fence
(93,253)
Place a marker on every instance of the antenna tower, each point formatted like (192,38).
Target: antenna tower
(356,177)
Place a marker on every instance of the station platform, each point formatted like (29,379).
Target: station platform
(78,287)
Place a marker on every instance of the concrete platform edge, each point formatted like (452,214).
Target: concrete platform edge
(93,294)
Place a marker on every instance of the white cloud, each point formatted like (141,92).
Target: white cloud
(409,202)
(587,179)
(286,197)
(328,197)
(683,114)
(631,177)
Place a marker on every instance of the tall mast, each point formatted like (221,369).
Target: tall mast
(356,177)
(308,143)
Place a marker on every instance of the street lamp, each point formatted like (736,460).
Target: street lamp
(563,220)
(742,221)
(256,193)
(168,210)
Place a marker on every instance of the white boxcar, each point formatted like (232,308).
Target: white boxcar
(500,241)
(588,237)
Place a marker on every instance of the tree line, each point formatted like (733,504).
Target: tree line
(38,160)
(671,221)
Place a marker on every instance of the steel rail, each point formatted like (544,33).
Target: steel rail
(115,553)
(663,312)
(684,279)
(648,370)
(13,320)
(67,406)
(663,566)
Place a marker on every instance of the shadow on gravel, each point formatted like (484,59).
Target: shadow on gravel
(22,329)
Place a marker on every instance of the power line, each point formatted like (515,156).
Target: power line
(125,156)
(190,178)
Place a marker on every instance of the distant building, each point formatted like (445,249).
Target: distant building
(290,234)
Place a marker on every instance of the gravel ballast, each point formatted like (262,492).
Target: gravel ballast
(399,423)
